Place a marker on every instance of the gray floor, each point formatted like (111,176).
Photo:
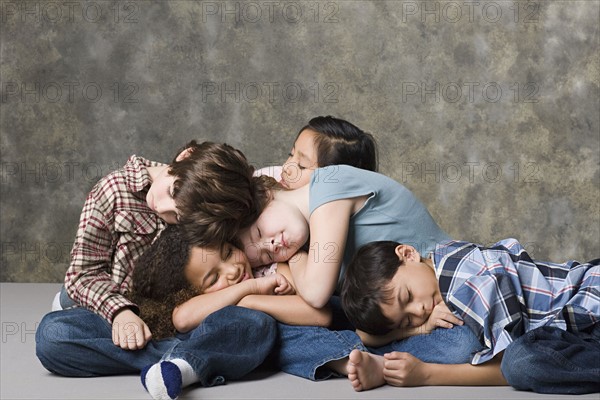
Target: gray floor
(23,377)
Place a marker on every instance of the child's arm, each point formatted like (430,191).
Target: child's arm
(379,341)
(291,310)
(441,317)
(402,369)
(89,281)
(316,273)
(190,314)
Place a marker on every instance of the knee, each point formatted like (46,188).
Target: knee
(516,356)
(254,323)
(458,344)
(51,337)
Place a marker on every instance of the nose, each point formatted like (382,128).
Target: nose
(274,245)
(419,310)
(290,169)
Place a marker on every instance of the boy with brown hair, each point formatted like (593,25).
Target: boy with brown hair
(538,322)
(209,188)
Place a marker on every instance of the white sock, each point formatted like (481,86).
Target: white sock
(164,380)
(188,376)
(56,303)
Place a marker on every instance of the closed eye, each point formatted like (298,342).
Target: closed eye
(228,251)
(214,280)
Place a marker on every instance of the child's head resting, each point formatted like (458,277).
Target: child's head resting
(326,141)
(278,233)
(388,286)
(214,192)
(172,271)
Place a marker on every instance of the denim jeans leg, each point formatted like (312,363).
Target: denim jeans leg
(304,350)
(78,342)
(229,344)
(441,346)
(553,361)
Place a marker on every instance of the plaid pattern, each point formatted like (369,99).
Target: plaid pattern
(116,226)
(501,293)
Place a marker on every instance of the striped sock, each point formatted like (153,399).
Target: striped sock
(164,380)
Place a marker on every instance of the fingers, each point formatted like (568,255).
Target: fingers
(147,334)
(398,368)
(442,317)
(448,320)
(396,355)
(131,336)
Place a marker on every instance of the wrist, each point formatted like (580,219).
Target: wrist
(429,374)
(122,311)
(250,286)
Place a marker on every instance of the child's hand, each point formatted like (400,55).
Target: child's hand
(129,331)
(441,317)
(283,286)
(273,284)
(403,369)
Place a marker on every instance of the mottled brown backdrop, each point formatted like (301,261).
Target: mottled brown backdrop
(487,110)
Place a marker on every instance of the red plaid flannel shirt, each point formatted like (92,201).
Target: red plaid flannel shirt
(115,228)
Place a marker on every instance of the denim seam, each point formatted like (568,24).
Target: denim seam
(342,354)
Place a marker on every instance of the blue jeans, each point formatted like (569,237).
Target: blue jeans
(227,345)
(304,350)
(551,360)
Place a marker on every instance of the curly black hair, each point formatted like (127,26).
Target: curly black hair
(159,283)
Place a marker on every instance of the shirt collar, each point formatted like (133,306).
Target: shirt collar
(137,177)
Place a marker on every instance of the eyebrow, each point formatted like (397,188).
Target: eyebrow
(300,154)
(303,156)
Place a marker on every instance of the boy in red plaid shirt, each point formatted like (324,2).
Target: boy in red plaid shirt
(122,215)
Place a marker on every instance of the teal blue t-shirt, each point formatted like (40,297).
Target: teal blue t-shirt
(391,211)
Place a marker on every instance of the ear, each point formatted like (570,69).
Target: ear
(407,252)
(184,154)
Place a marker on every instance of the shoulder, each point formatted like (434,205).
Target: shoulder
(334,173)
(122,183)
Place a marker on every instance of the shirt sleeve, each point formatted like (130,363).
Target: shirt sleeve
(88,280)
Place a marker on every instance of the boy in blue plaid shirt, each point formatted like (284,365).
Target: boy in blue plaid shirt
(538,322)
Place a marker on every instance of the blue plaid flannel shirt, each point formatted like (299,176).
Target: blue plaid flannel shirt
(501,293)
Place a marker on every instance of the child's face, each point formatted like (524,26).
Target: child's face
(160,197)
(301,162)
(276,236)
(210,270)
(415,291)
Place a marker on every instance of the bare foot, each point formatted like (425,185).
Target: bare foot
(365,370)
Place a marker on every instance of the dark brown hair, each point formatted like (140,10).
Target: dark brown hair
(216,193)
(364,286)
(340,142)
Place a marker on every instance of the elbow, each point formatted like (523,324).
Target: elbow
(316,303)
(315,299)
(180,321)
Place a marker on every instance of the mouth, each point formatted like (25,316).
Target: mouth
(283,182)
(283,242)
(244,276)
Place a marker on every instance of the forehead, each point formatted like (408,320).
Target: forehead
(305,141)
(203,259)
